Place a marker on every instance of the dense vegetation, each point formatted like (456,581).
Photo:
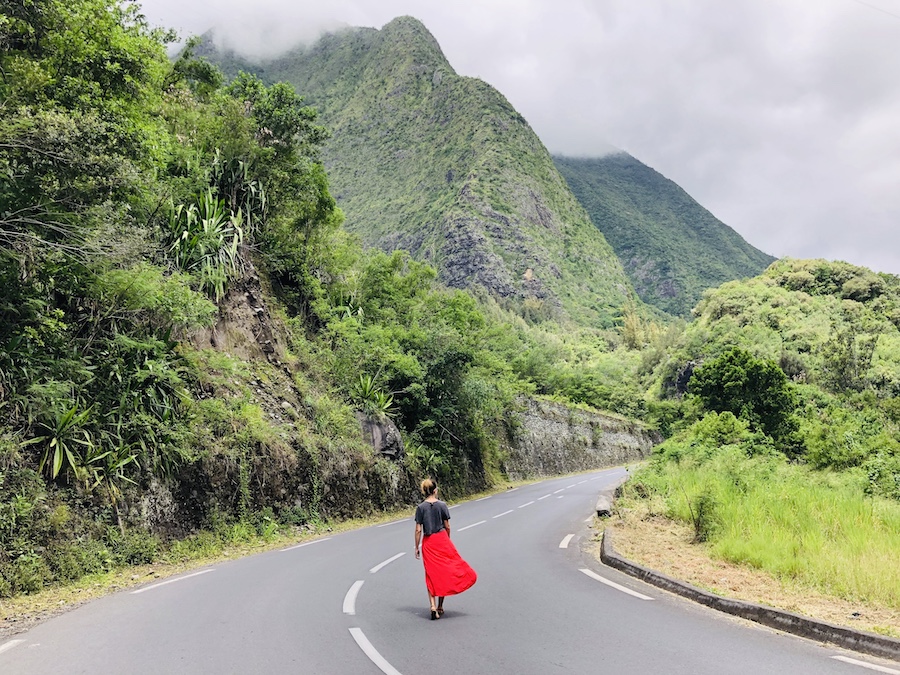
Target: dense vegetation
(786,454)
(671,247)
(188,332)
(444,167)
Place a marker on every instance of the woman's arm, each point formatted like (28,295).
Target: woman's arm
(447,527)
(418,538)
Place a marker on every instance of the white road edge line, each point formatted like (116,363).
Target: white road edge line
(583,482)
(483,498)
(512,489)
(480,522)
(393,522)
(503,514)
(386,562)
(613,584)
(310,543)
(10,645)
(528,504)
(589,519)
(544,497)
(570,486)
(372,653)
(565,542)
(453,507)
(863,664)
(560,490)
(350,598)
(171,581)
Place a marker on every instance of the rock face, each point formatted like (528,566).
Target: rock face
(553,439)
(383,435)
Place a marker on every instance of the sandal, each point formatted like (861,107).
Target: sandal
(434,614)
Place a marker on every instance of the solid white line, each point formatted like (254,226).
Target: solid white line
(594,575)
(528,504)
(480,522)
(544,497)
(503,514)
(350,598)
(558,491)
(565,542)
(10,645)
(393,522)
(386,562)
(372,653)
(310,543)
(170,581)
(863,664)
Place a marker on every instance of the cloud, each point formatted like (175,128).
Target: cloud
(777,115)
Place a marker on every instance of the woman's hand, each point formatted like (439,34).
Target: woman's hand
(417,554)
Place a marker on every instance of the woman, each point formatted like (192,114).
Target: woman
(445,572)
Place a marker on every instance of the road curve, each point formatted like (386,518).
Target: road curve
(356,603)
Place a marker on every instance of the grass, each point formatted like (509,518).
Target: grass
(816,529)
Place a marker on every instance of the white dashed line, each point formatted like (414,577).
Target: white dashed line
(372,653)
(613,584)
(558,491)
(527,504)
(393,522)
(453,507)
(317,541)
(170,581)
(350,598)
(583,482)
(10,645)
(503,514)
(480,522)
(570,486)
(483,498)
(386,562)
(589,519)
(512,489)
(863,664)
(544,497)
(565,542)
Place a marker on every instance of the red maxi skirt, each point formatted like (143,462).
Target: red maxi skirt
(446,573)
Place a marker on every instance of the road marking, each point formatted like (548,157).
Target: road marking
(558,491)
(480,522)
(372,653)
(483,498)
(594,575)
(10,645)
(583,482)
(393,522)
(503,514)
(589,519)
(570,486)
(386,562)
(171,581)
(453,507)
(565,542)
(350,598)
(528,504)
(310,543)
(544,497)
(863,664)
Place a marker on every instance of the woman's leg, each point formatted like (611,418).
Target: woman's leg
(440,606)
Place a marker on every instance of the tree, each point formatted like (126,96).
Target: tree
(755,389)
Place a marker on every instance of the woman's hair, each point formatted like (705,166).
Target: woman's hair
(428,487)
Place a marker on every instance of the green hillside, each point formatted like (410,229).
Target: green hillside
(671,247)
(443,166)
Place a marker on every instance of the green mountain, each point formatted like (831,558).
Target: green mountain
(672,248)
(443,166)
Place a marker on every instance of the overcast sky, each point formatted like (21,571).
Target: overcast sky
(782,117)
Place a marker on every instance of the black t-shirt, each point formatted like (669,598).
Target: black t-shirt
(431,516)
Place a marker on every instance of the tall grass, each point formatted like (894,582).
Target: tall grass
(816,528)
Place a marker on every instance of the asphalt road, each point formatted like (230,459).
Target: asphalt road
(356,603)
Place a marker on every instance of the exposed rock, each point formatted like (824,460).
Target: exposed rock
(552,438)
(382,435)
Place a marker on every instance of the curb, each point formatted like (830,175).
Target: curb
(821,631)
